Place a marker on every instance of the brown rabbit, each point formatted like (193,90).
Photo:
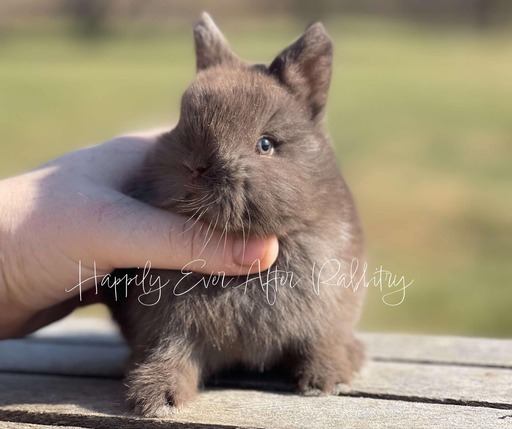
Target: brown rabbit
(249,156)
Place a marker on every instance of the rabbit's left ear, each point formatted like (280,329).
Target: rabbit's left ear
(212,49)
(304,68)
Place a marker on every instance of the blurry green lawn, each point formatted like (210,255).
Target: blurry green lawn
(421,118)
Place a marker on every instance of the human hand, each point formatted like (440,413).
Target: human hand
(72,210)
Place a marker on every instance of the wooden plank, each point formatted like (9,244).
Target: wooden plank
(381,346)
(440,349)
(490,387)
(18,425)
(94,349)
(412,382)
(94,332)
(483,385)
(89,402)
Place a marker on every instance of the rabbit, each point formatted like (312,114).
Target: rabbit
(249,143)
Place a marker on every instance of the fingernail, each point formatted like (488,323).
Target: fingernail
(247,253)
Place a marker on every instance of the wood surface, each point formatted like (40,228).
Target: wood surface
(69,375)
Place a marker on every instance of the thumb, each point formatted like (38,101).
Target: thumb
(132,233)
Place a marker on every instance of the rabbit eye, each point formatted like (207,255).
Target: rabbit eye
(265,146)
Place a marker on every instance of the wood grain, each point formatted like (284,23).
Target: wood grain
(68,375)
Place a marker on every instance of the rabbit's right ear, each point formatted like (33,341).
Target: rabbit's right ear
(212,49)
(304,68)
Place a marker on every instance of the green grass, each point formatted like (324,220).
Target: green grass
(421,118)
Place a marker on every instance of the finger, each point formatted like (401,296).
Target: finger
(117,159)
(112,163)
(133,234)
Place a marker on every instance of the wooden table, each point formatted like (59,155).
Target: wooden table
(69,375)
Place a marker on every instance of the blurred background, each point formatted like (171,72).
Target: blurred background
(420,112)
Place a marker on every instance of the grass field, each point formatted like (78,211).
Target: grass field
(421,118)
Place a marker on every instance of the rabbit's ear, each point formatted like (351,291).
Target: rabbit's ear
(212,49)
(305,68)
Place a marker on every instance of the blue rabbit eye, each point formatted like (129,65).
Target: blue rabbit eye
(265,146)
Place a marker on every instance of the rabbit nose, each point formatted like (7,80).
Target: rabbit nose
(197,171)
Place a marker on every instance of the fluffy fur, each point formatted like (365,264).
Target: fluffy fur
(208,168)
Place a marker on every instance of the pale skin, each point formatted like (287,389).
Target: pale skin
(73,209)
